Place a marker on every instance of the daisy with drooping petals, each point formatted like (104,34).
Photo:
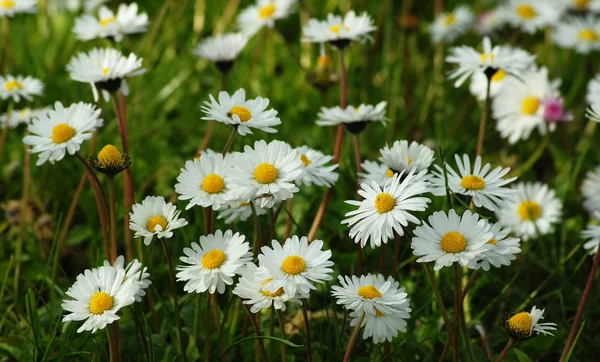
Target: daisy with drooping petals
(449,26)
(502,250)
(383,327)
(22,116)
(372,294)
(355,119)
(11,7)
(239,210)
(522,325)
(402,156)
(339,31)
(386,211)
(241,113)
(486,188)
(252,291)
(264,13)
(133,271)
(98,296)
(19,86)
(266,173)
(155,216)
(579,33)
(590,189)
(295,266)
(212,264)
(126,21)
(222,49)
(533,209)
(531,15)
(105,69)
(315,171)
(451,238)
(62,130)
(374,171)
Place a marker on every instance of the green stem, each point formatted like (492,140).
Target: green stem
(261,345)
(505,350)
(282,334)
(438,297)
(307,327)
(484,116)
(457,300)
(230,141)
(113,217)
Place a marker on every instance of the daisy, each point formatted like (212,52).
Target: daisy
(531,15)
(19,86)
(11,7)
(222,49)
(479,83)
(213,263)
(533,209)
(252,290)
(315,171)
(385,211)
(488,22)
(522,325)
(206,182)
(241,113)
(126,21)
(449,26)
(486,187)
(593,90)
(402,156)
(593,112)
(266,173)
(339,31)
(22,116)
(153,217)
(295,266)
(382,327)
(237,210)
(97,297)
(580,6)
(579,33)
(355,119)
(62,130)
(592,232)
(590,189)
(264,13)
(371,294)
(374,171)
(110,161)
(451,238)
(470,61)
(105,69)
(502,250)
(133,271)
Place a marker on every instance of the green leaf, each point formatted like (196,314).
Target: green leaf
(522,356)
(285,341)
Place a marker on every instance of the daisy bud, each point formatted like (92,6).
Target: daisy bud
(110,161)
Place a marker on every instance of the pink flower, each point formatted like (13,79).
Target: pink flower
(554,110)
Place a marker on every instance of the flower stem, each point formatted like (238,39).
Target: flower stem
(505,350)
(5,128)
(357,154)
(282,334)
(438,297)
(353,338)
(257,233)
(112,331)
(207,329)
(484,116)
(113,217)
(396,255)
(457,300)
(261,346)
(229,141)
(307,327)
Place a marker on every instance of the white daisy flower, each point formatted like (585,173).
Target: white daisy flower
(470,61)
(451,238)
(339,31)
(579,33)
(355,119)
(222,49)
(479,82)
(295,266)
(502,250)
(264,13)
(533,209)
(384,327)
(98,295)
(239,210)
(590,189)
(486,187)
(374,171)
(579,6)
(252,291)
(370,293)
(593,90)
(62,130)
(489,21)
(522,325)
(385,211)
(206,181)
(531,15)
(241,113)
(153,217)
(592,232)
(133,271)
(126,21)
(315,171)
(11,7)
(447,27)
(213,263)
(22,116)
(266,173)
(105,69)
(402,156)
(19,86)
(593,111)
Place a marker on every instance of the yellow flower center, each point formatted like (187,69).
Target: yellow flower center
(526,11)
(384,202)
(492,242)
(100,302)
(581,4)
(104,22)
(488,56)
(369,292)
(110,157)
(530,210)
(588,34)
(156,220)
(265,173)
(498,76)
(530,105)
(324,61)
(378,313)
(450,19)
(453,242)
(520,323)
(409,160)
(293,264)
(12,84)
(23,112)
(213,183)
(7,4)
(389,173)
(472,182)
(105,70)
(244,204)
(305,160)
(62,132)
(266,11)
(213,259)
(336,28)
(242,112)
(265,292)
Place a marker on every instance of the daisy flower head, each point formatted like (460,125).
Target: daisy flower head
(295,266)
(447,27)
(375,171)
(11,7)
(239,210)
(590,189)
(580,6)
(479,83)
(62,130)
(241,113)
(206,181)
(21,116)
(385,211)
(266,173)
(19,86)
(502,250)
(531,15)
(593,90)
(404,156)
(97,297)
(108,24)
(339,31)
(355,119)
(155,217)
(533,209)
(522,325)
(252,291)
(133,271)
(383,327)
(315,171)
(105,69)
(579,33)
(110,161)
(222,49)
(213,262)
(486,187)
(592,232)
(264,13)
